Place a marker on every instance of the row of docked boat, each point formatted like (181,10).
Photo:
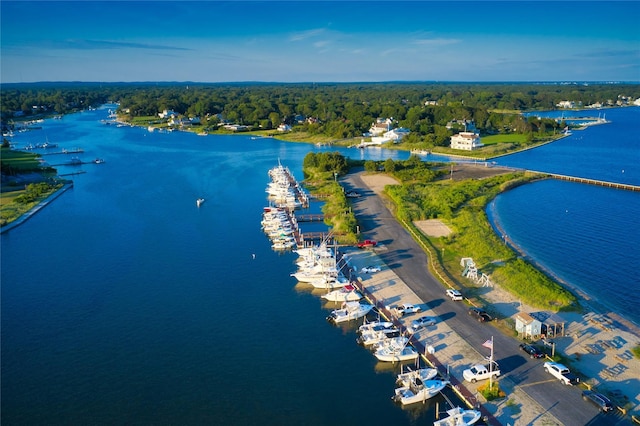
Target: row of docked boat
(322,267)
(285,195)
(279,227)
(284,191)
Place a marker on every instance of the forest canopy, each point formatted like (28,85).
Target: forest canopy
(338,110)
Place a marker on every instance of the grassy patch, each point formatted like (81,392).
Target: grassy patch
(636,351)
(506,138)
(491,392)
(461,205)
(16,203)
(18,161)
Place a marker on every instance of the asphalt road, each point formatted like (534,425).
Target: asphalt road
(406,258)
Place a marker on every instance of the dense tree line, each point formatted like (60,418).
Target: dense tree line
(342,110)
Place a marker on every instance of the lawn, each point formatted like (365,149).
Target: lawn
(510,138)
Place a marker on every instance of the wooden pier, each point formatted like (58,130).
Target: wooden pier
(615,185)
(310,217)
(65,151)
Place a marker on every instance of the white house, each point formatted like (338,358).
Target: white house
(527,326)
(167,113)
(466,140)
(566,104)
(396,135)
(236,127)
(284,128)
(381,126)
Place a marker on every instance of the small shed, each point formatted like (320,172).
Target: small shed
(527,326)
(552,324)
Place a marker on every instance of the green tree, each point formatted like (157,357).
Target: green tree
(389,165)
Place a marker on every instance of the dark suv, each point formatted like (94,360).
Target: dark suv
(480,314)
(598,399)
(532,351)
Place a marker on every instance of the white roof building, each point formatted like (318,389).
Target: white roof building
(566,104)
(467,141)
(167,113)
(380,126)
(396,135)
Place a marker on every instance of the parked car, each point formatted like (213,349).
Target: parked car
(480,314)
(407,308)
(481,372)
(352,194)
(562,373)
(454,294)
(599,400)
(533,351)
(367,244)
(417,324)
(370,269)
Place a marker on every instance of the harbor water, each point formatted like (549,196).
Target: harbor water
(123,302)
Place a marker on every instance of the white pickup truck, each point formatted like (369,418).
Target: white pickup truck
(481,372)
(561,372)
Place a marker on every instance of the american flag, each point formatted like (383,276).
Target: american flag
(488,344)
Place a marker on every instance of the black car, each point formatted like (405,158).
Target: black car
(532,351)
(598,399)
(480,314)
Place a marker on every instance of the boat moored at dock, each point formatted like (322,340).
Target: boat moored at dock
(419,391)
(349,311)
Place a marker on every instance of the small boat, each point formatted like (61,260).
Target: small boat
(199,201)
(392,341)
(392,353)
(347,293)
(419,391)
(283,244)
(374,337)
(424,374)
(349,311)
(330,282)
(99,160)
(459,417)
(375,325)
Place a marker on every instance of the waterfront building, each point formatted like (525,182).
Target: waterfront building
(466,140)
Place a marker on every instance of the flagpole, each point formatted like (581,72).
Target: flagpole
(491,367)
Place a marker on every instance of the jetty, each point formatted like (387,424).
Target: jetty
(65,151)
(615,185)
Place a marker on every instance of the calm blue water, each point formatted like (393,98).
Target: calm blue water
(587,236)
(609,152)
(123,303)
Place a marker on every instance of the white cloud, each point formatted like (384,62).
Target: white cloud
(436,41)
(303,35)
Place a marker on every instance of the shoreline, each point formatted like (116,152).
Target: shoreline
(35,209)
(586,300)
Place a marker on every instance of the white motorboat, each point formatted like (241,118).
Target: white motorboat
(459,417)
(375,325)
(347,293)
(419,391)
(424,374)
(395,342)
(199,201)
(373,337)
(395,354)
(330,281)
(349,311)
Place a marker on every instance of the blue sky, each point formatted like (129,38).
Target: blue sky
(328,41)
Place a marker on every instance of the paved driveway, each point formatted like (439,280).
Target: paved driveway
(408,261)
